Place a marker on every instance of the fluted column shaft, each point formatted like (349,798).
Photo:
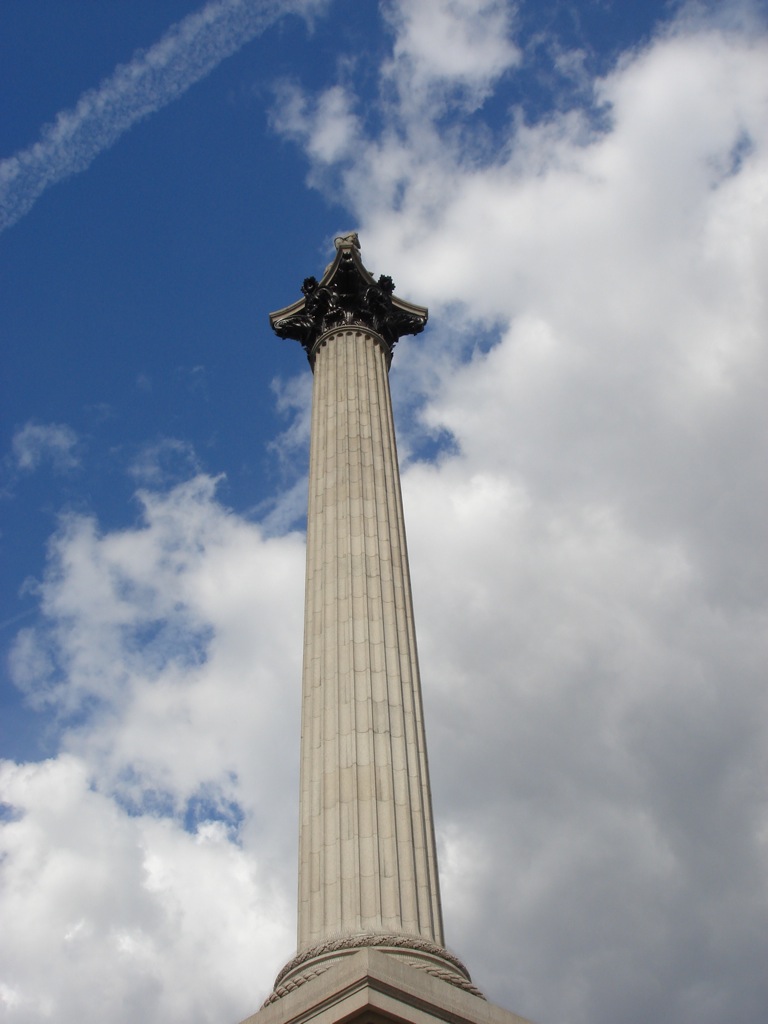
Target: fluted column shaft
(367,861)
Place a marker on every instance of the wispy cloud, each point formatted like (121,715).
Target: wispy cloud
(38,442)
(187,52)
(164,460)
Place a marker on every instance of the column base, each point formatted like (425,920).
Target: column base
(409,949)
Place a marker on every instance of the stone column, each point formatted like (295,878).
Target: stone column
(367,851)
(367,859)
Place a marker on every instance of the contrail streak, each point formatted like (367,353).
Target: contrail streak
(187,52)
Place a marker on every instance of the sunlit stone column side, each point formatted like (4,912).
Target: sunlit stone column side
(367,860)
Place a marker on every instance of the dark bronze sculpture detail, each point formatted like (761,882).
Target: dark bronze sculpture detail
(347,295)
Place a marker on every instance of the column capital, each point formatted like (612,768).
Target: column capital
(347,295)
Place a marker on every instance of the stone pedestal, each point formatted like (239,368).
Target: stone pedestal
(369,987)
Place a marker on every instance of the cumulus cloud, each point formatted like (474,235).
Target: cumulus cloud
(36,443)
(118,906)
(188,51)
(158,837)
(458,47)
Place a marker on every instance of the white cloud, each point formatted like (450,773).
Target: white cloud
(118,907)
(596,724)
(153,631)
(188,51)
(36,443)
(449,47)
(162,834)
(164,461)
(326,122)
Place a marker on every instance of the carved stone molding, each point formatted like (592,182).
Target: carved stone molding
(295,982)
(416,952)
(450,976)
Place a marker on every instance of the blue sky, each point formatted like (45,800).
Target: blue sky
(577,192)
